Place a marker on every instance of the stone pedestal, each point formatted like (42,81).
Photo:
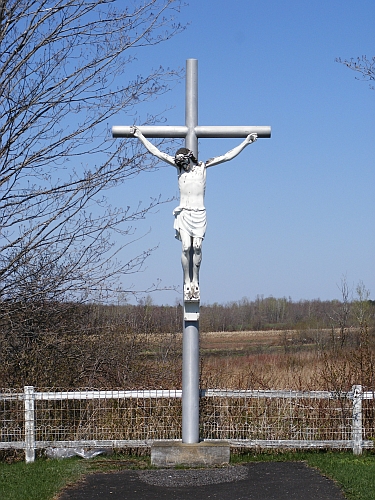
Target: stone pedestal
(172,453)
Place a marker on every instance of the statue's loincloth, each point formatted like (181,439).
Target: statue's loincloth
(193,222)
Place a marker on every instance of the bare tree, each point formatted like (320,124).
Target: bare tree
(362,65)
(340,316)
(60,63)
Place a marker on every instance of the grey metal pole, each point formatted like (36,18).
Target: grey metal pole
(190,381)
(191,105)
(201,131)
(190,342)
(156,131)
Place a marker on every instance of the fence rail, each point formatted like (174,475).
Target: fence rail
(32,420)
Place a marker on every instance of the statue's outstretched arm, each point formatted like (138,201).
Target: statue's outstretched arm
(151,148)
(233,152)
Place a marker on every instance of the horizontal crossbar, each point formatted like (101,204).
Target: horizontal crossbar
(171,131)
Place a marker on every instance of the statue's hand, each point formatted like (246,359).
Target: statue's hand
(135,131)
(252,137)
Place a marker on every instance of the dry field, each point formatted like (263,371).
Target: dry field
(273,359)
(241,342)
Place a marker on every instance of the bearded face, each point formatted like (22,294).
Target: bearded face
(184,159)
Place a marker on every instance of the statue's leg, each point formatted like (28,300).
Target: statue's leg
(197,259)
(185,257)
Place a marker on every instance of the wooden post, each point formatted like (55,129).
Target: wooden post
(357,420)
(29,424)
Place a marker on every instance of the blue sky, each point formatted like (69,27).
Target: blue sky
(292,215)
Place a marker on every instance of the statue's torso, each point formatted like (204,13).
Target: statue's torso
(192,187)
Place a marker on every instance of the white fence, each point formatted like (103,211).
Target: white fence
(32,420)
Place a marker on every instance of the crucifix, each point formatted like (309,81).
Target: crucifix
(190,222)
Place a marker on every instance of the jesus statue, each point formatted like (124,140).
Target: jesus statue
(190,215)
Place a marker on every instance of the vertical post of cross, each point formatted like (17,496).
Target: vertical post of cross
(190,374)
(191,105)
(190,342)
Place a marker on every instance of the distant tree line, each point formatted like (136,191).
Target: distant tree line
(133,346)
(263,313)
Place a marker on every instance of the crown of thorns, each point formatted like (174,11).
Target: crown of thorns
(183,156)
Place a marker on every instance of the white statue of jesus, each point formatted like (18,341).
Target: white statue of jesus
(190,215)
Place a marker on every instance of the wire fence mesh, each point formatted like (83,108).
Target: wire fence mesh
(12,415)
(262,417)
(368,415)
(91,417)
(108,418)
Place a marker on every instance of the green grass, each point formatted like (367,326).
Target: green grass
(40,480)
(43,479)
(354,474)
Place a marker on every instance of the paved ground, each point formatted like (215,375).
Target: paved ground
(254,481)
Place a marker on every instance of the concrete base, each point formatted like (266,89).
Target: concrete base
(172,453)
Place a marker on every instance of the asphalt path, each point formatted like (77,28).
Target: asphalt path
(254,481)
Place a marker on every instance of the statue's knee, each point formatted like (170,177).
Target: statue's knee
(197,247)
(186,250)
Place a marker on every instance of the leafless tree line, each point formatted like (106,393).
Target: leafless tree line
(66,70)
(134,346)
(59,86)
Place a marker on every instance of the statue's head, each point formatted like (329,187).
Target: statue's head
(183,157)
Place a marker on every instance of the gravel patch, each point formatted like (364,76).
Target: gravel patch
(193,477)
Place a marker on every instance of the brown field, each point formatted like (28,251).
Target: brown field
(240,342)
(255,340)
(292,359)
(272,359)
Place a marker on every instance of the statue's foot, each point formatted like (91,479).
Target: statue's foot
(191,291)
(187,291)
(195,291)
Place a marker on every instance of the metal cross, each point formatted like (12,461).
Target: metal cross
(191,132)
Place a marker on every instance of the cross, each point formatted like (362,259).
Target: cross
(191,132)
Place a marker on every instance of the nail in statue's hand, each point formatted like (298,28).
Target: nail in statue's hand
(134,130)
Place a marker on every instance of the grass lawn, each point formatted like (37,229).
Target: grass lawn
(354,474)
(40,480)
(43,479)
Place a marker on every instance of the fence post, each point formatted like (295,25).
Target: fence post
(357,420)
(29,424)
